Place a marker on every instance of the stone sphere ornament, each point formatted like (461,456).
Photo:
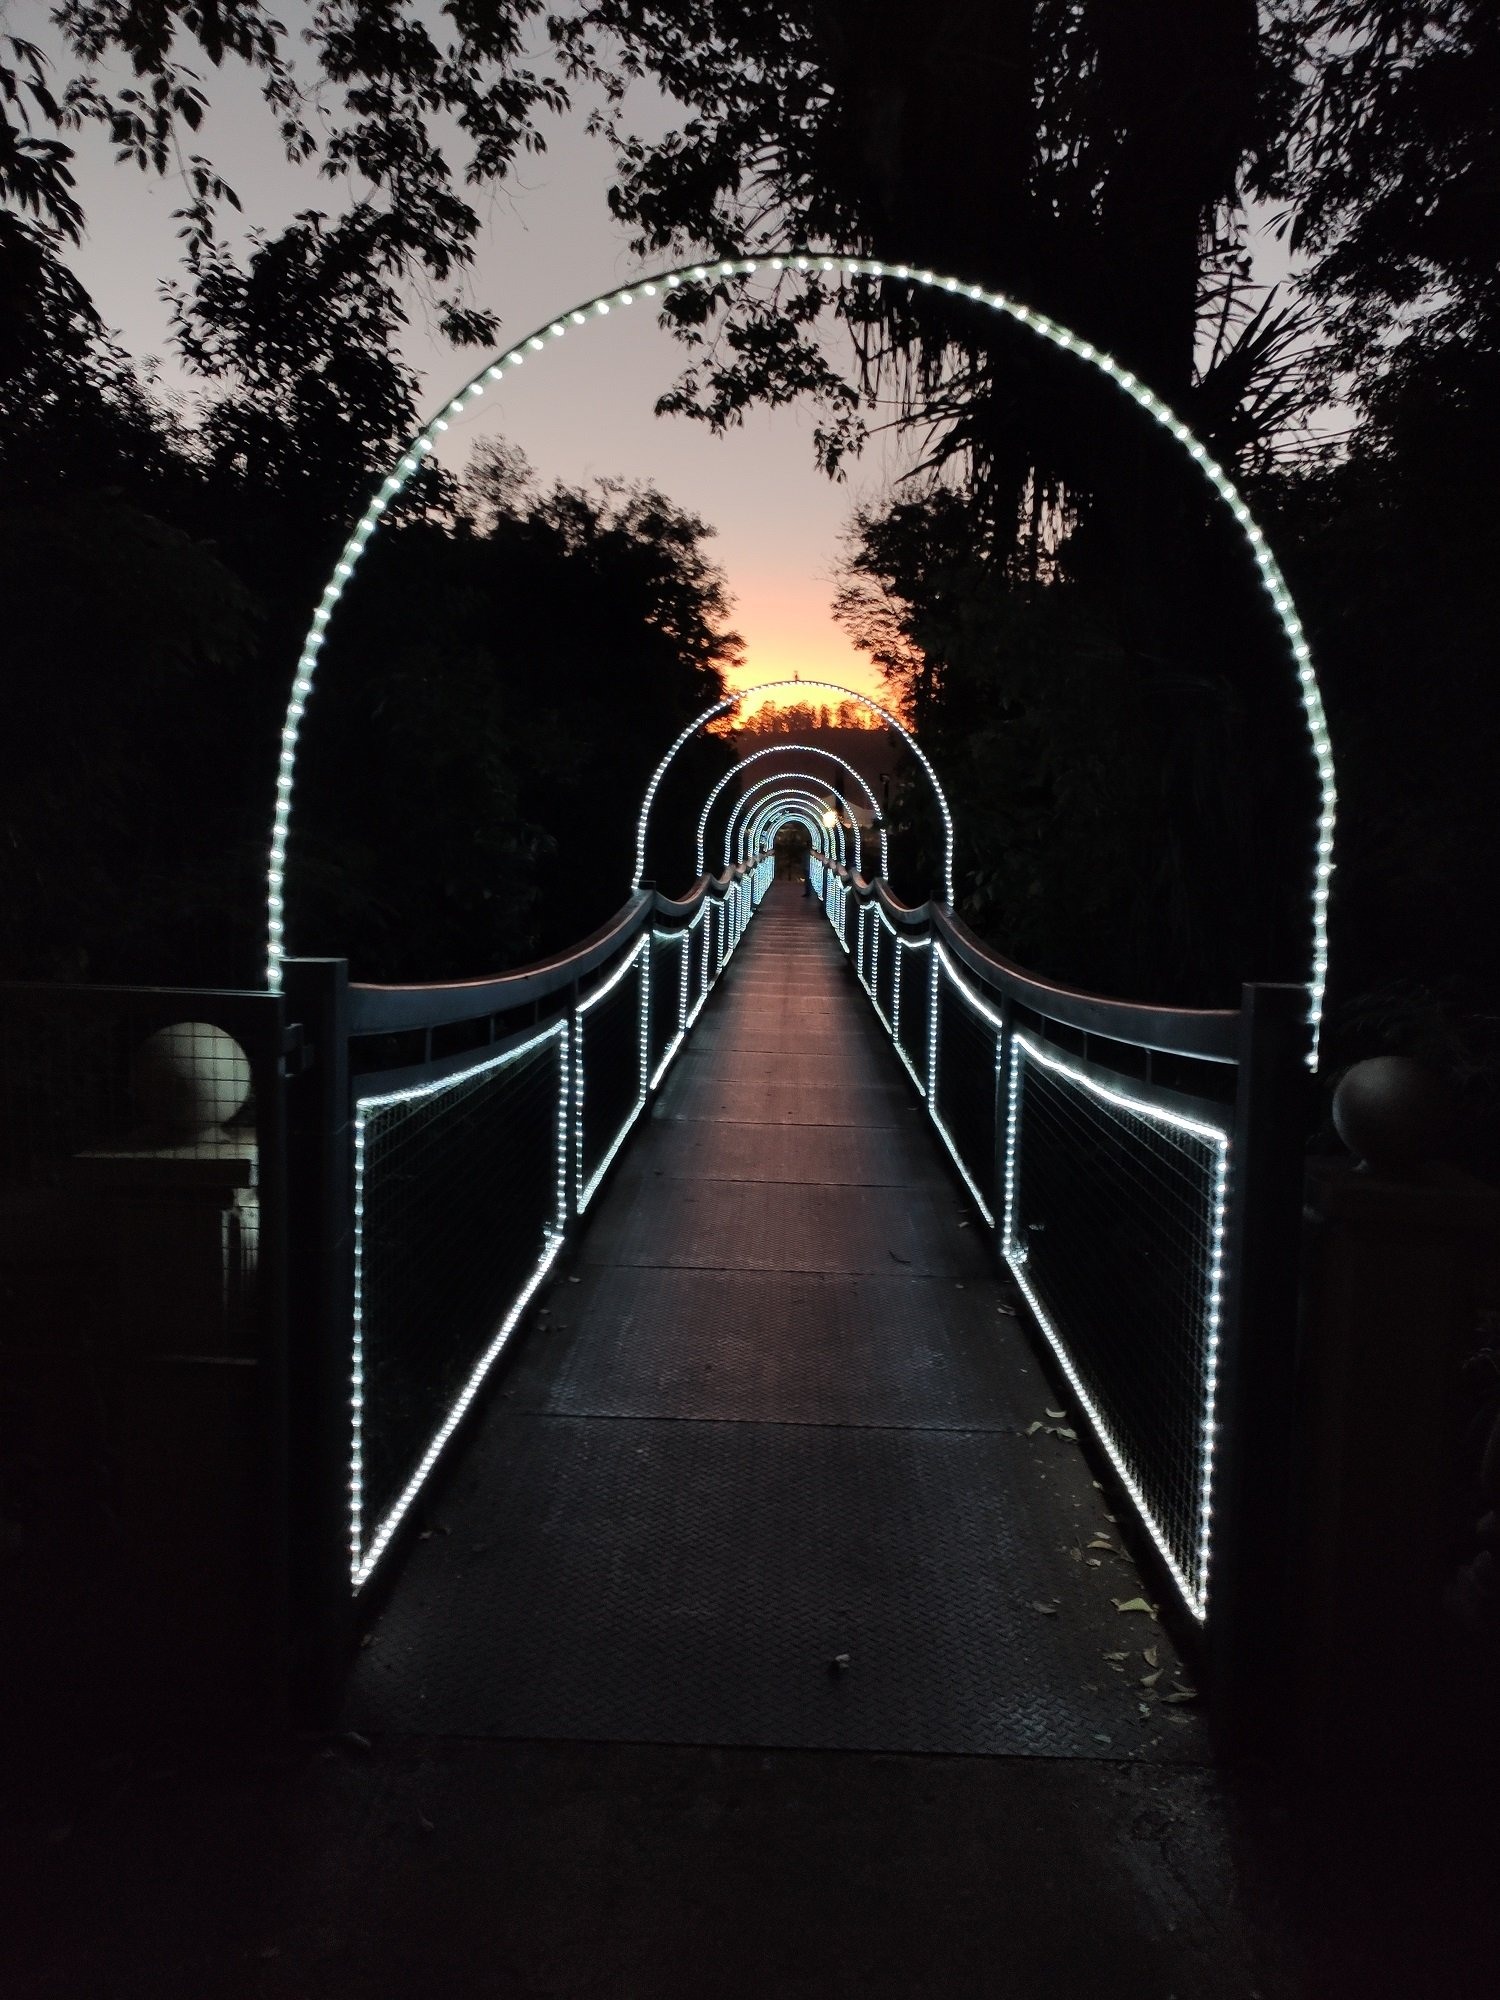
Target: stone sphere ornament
(1393,1113)
(189,1079)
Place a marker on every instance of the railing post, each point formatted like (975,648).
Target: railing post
(320,1315)
(1002,1121)
(573,1122)
(1252,1522)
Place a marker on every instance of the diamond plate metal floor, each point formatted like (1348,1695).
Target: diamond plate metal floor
(764,1472)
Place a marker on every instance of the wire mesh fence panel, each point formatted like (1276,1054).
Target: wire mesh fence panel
(913,972)
(460,1201)
(887,946)
(667,1010)
(696,954)
(610,1073)
(968,1055)
(1114,1227)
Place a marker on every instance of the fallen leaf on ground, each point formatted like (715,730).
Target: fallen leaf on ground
(1150,1680)
(1132,1604)
(1117,1656)
(1009,1311)
(1057,1413)
(1032,1429)
(1102,1542)
(1149,1656)
(1047,1610)
(1064,1432)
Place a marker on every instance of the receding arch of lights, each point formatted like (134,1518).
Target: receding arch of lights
(772,814)
(824,687)
(804,799)
(780,750)
(832,839)
(809,784)
(778,816)
(661,283)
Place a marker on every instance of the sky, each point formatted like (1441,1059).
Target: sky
(585,409)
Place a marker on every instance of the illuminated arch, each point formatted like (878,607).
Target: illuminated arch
(789,804)
(810,809)
(768,817)
(780,749)
(804,801)
(778,817)
(809,785)
(826,687)
(657,283)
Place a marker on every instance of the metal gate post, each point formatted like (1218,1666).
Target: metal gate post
(1253,1464)
(320,1315)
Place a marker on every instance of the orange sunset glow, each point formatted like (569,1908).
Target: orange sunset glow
(789,634)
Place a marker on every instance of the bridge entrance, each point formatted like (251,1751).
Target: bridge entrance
(775,1465)
(1133,1171)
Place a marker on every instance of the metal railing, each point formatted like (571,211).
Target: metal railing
(1133,1165)
(445,1139)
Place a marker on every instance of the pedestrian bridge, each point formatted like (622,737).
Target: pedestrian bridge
(852,1210)
(781,1321)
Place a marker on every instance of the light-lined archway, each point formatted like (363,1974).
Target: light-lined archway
(809,808)
(733,701)
(658,284)
(810,786)
(786,747)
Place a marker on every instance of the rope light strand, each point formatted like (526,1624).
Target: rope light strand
(660,284)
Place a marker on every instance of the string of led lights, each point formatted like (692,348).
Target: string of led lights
(784,807)
(710,715)
(365,1550)
(667,939)
(769,814)
(640,956)
(773,814)
(1187,1564)
(831,821)
(808,785)
(1179,1182)
(786,749)
(660,284)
